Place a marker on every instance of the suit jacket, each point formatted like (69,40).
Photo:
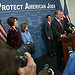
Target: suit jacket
(48,31)
(65,21)
(57,29)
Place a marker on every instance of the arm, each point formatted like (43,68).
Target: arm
(67,29)
(30,68)
(23,37)
(46,31)
(31,38)
(66,24)
(55,30)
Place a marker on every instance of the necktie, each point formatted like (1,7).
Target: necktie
(60,23)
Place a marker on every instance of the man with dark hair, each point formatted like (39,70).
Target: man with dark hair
(66,23)
(49,35)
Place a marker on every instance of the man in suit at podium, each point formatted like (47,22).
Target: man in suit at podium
(59,30)
(66,23)
(49,35)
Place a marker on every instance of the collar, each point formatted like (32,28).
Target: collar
(49,22)
(57,19)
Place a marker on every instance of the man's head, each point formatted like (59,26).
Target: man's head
(58,14)
(48,17)
(62,14)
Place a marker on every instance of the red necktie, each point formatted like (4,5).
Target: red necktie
(60,23)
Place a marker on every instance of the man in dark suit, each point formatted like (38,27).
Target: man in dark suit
(59,30)
(66,22)
(49,35)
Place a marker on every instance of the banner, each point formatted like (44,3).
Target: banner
(34,13)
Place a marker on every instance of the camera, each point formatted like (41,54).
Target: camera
(26,47)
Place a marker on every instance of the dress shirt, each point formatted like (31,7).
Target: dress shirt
(49,23)
(57,19)
(26,37)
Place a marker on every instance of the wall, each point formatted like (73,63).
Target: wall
(71,6)
(71,9)
(35,17)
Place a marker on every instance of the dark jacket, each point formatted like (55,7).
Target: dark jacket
(57,29)
(48,31)
(13,38)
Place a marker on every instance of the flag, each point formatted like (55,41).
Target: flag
(3,35)
(66,13)
(60,7)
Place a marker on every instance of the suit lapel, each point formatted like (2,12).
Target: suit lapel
(48,24)
(59,24)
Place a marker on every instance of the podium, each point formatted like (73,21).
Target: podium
(68,41)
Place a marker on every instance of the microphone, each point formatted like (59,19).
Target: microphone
(70,24)
(70,50)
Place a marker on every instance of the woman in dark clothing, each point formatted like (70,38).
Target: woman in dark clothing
(13,35)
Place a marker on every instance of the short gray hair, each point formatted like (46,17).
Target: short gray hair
(56,12)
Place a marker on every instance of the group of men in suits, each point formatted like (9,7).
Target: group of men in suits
(54,30)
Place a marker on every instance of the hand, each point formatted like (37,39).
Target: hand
(51,71)
(30,68)
(65,32)
(63,35)
(49,38)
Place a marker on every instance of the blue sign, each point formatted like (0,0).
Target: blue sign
(32,12)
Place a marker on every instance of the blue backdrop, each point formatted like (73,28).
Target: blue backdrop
(34,17)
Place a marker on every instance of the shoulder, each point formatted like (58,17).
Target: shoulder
(54,20)
(46,22)
(22,33)
(65,19)
(72,56)
(28,32)
(11,28)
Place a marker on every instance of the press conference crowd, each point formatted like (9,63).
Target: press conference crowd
(10,59)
